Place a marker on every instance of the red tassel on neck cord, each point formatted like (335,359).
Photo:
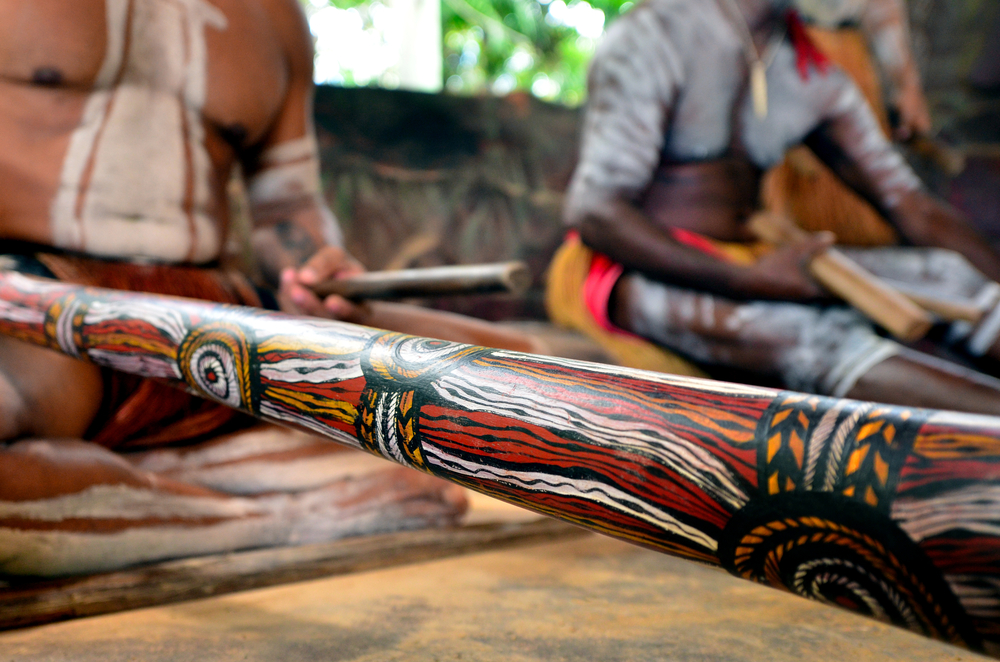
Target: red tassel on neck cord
(806,51)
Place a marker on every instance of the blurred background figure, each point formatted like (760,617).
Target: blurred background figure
(689,103)
(986,71)
(871,41)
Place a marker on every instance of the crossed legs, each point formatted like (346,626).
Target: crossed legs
(832,350)
(69,506)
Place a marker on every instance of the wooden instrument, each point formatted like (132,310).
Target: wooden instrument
(511,277)
(885,306)
(948,159)
(946,309)
(945,158)
(889,511)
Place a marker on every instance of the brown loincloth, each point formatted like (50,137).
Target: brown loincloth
(137,412)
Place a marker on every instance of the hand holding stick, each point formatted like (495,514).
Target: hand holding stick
(845,278)
(945,157)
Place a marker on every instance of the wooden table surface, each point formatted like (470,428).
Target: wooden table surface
(582,599)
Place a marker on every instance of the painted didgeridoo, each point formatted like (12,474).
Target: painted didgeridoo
(889,511)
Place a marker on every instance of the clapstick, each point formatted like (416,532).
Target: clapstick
(845,278)
(509,277)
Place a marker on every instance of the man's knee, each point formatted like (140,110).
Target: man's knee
(36,469)
(831,349)
(938,270)
(45,394)
(13,413)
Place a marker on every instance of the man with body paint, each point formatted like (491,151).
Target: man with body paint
(690,100)
(870,41)
(884,27)
(120,123)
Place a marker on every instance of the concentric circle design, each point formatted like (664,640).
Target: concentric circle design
(398,370)
(396,360)
(215,359)
(833,549)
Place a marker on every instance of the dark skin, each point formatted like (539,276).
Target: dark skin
(920,218)
(907,379)
(627,235)
(613,222)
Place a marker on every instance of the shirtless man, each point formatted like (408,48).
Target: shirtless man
(673,146)
(120,122)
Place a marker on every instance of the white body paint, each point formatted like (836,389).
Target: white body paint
(246,464)
(268,497)
(831,13)
(136,179)
(814,349)
(290,172)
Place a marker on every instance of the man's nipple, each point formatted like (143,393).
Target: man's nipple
(47,77)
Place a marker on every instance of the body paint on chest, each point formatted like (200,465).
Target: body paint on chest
(136,177)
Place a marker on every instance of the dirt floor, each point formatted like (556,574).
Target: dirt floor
(584,599)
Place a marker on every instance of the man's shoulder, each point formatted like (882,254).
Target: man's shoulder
(657,22)
(679,14)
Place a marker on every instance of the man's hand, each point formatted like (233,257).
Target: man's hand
(784,273)
(914,117)
(295,297)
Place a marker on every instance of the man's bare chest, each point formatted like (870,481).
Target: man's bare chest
(218,57)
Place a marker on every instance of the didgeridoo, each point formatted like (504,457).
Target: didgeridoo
(845,278)
(511,277)
(890,511)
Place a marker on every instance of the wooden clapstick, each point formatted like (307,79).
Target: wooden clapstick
(953,311)
(511,277)
(845,278)
(948,159)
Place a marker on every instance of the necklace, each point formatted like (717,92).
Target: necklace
(758,64)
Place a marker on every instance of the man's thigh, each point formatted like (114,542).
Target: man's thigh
(819,349)
(69,506)
(44,393)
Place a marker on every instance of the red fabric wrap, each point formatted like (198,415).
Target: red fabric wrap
(605,272)
(806,51)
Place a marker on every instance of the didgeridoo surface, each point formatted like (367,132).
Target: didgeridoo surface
(889,511)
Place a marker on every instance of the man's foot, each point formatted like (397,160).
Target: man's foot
(70,507)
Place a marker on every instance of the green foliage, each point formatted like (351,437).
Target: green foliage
(499,46)
(506,45)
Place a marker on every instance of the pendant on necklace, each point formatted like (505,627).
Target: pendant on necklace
(758,88)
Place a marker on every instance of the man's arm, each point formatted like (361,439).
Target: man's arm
(296,238)
(887,29)
(613,225)
(851,143)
